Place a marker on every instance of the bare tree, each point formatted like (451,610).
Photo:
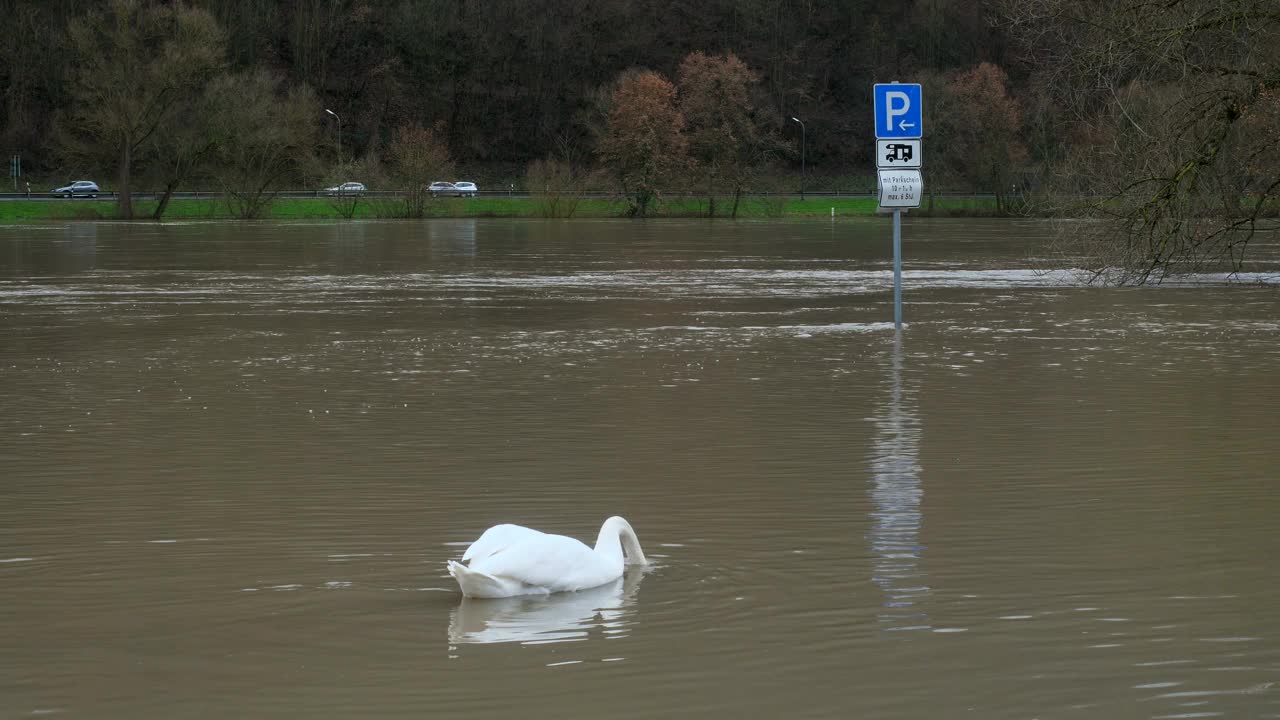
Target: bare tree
(182,148)
(556,187)
(266,135)
(418,157)
(136,63)
(366,170)
(936,115)
(1162,96)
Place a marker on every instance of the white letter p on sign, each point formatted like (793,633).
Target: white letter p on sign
(896,103)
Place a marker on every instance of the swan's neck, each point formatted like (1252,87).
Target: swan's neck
(618,540)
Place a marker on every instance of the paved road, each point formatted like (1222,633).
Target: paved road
(313,194)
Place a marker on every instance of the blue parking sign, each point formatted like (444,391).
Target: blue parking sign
(897,110)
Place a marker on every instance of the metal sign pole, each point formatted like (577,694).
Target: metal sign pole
(899,122)
(897,269)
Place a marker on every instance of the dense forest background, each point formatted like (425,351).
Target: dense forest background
(1161,119)
(511,81)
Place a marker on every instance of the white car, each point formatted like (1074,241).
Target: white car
(346,188)
(80,187)
(465,189)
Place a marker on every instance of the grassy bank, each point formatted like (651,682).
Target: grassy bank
(323,208)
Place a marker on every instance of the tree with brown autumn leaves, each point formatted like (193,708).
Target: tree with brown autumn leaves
(725,140)
(644,145)
(981,131)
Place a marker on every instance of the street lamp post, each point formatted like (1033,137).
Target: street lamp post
(802,148)
(335,117)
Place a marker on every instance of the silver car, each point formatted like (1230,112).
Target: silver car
(440,187)
(83,188)
(346,188)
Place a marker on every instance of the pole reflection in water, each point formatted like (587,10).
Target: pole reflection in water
(534,619)
(895,501)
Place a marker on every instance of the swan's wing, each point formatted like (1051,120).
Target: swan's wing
(554,562)
(496,539)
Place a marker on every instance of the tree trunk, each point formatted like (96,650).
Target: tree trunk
(124,200)
(415,202)
(164,202)
(1000,182)
(642,199)
(737,198)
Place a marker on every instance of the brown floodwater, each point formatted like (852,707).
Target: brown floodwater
(235,458)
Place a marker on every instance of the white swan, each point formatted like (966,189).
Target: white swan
(510,560)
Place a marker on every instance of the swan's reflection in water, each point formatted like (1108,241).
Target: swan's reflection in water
(562,617)
(895,499)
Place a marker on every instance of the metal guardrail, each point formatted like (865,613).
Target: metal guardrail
(391,194)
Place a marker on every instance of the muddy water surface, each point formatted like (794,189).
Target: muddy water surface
(235,458)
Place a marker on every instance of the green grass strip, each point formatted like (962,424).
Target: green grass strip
(370,208)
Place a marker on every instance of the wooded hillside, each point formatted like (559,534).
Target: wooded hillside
(511,81)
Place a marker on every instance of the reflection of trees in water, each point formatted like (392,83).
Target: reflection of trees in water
(561,617)
(76,250)
(895,499)
(452,236)
(349,233)
(346,241)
